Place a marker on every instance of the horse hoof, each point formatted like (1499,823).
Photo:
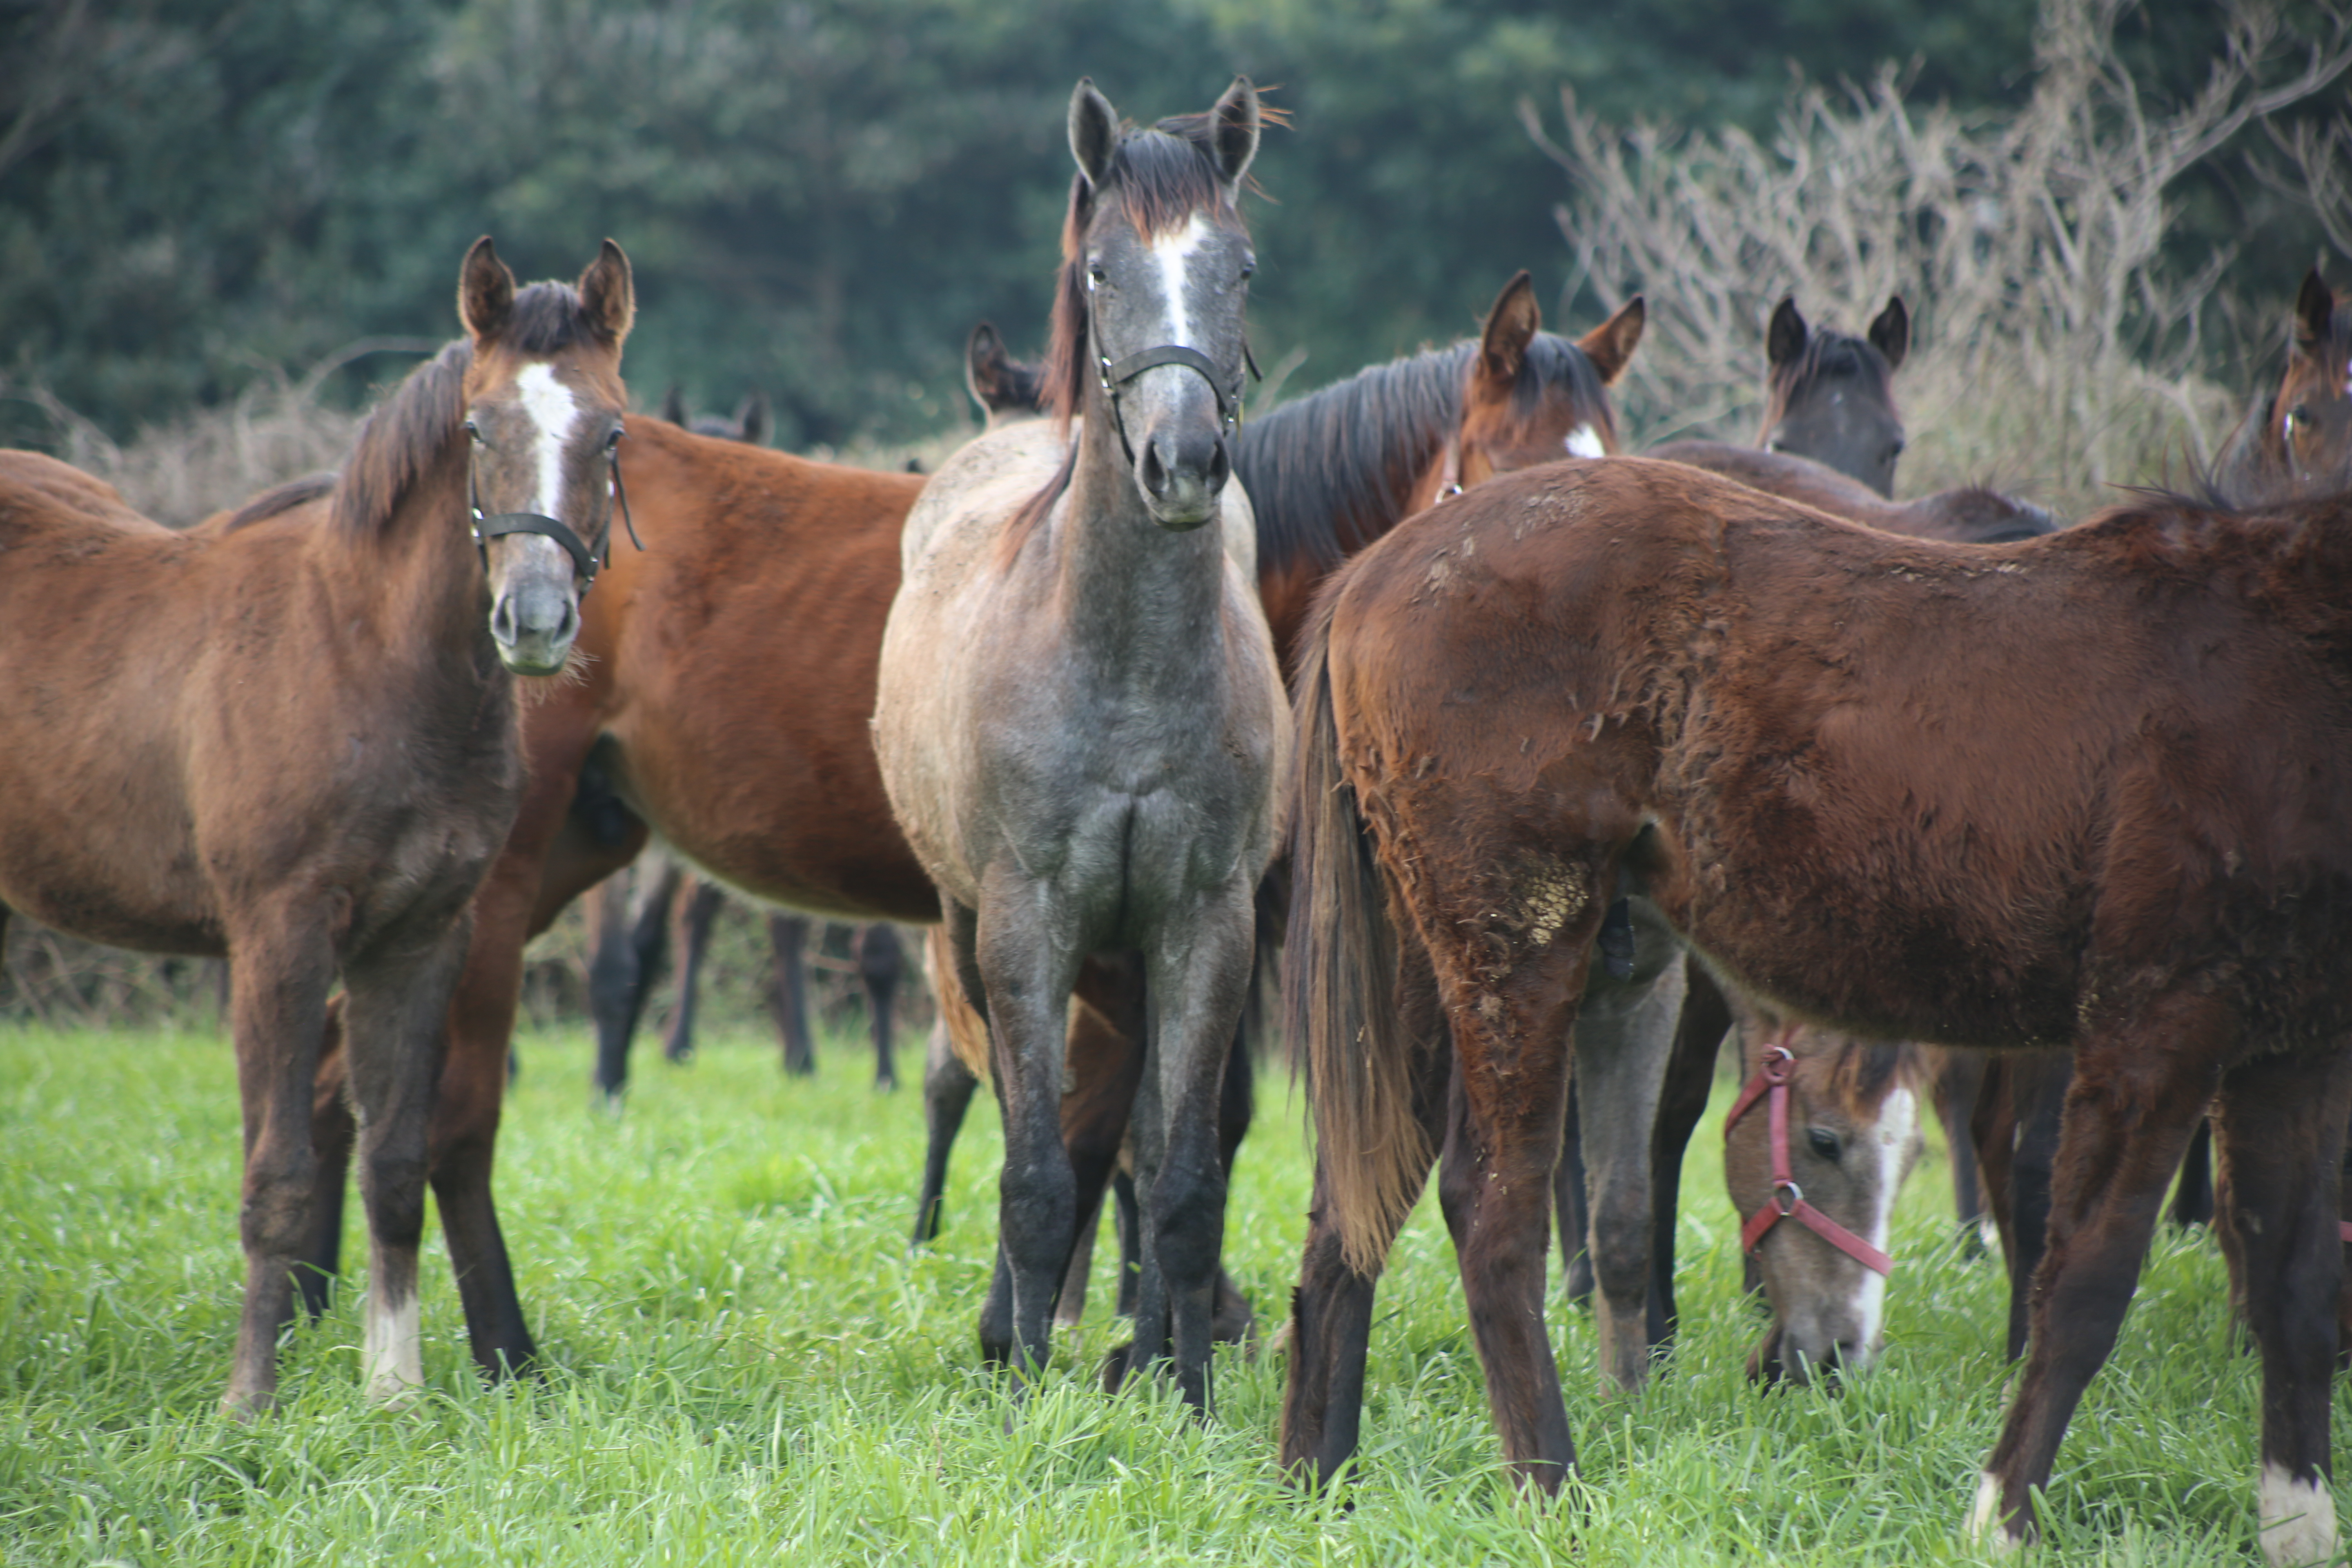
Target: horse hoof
(245,1408)
(1115,1367)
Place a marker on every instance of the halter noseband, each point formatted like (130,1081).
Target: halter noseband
(1788,1199)
(1115,375)
(584,560)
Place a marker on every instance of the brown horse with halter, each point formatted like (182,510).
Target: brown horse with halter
(1834,761)
(290,740)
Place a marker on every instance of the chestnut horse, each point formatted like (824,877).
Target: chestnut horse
(1833,760)
(1079,718)
(293,743)
(1831,397)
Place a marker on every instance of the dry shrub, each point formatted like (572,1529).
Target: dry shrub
(2053,349)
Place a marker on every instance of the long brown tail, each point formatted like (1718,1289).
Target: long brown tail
(1339,986)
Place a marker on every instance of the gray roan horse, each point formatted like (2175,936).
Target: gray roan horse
(1079,719)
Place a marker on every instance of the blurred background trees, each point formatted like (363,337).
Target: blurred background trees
(821,196)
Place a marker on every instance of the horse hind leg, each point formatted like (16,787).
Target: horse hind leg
(2279,1124)
(277,1010)
(881,963)
(1681,1104)
(2128,1115)
(692,909)
(788,935)
(613,982)
(332,1133)
(948,1087)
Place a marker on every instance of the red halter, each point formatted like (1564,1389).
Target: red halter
(1788,1199)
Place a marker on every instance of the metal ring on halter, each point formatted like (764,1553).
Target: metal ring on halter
(1796,1195)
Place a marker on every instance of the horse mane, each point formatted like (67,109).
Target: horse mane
(280,499)
(1159,176)
(409,429)
(1863,1072)
(1831,353)
(1329,472)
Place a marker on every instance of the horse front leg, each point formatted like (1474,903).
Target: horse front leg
(1021,943)
(881,963)
(2278,1125)
(278,1008)
(1197,978)
(1625,1038)
(948,1085)
(1681,1102)
(396,1003)
(2137,1094)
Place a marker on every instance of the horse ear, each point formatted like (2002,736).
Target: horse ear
(1610,345)
(1235,118)
(751,415)
(673,406)
(2315,310)
(486,291)
(1512,323)
(1890,334)
(1094,132)
(984,366)
(607,296)
(1784,340)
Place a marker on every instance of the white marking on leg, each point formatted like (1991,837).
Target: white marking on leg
(1985,1526)
(1584,441)
(1174,251)
(1898,1124)
(394,1347)
(553,411)
(2298,1519)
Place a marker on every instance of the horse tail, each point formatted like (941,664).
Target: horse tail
(1339,986)
(966,1031)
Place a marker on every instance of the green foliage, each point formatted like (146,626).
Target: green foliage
(748,1367)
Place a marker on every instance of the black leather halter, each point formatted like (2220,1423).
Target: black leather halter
(586,560)
(1116,374)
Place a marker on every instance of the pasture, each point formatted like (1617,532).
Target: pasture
(745,1366)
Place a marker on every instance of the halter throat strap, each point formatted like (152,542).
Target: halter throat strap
(1773,1076)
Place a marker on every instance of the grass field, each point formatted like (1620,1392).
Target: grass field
(746,1366)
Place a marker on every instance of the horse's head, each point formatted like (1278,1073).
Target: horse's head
(2311,414)
(1532,398)
(1156,267)
(1006,388)
(1831,398)
(749,423)
(1851,1126)
(543,409)
(1976,515)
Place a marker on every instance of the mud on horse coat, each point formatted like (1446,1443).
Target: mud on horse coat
(1079,716)
(289,738)
(1774,724)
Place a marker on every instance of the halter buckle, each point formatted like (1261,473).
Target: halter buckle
(1795,1194)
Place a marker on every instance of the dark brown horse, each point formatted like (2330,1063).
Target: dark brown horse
(291,741)
(1835,760)
(1831,397)
(2302,435)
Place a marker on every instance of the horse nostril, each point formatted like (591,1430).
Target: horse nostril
(1220,466)
(502,620)
(567,623)
(1155,468)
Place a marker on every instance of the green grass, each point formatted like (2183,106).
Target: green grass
(745,1366)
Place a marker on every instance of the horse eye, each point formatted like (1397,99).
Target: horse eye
(1775,444)
(473,431)
(613,441)
(1249,268)
(1095,271)
(1895,450)
(1824,1143)
(2295,420)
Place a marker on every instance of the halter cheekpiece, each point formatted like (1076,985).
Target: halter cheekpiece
(1770,1084)
(585,562)
(1114,374)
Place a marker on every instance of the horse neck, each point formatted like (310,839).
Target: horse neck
(1141,603)
(416,572)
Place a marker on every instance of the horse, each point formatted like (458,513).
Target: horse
(1004,389)
(2300,435)
(291,741)
(631,928)
(1832,759)
(1079,714)
(1326,473)
(1830,396)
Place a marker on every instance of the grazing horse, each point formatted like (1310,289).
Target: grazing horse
(633,922)
(1831,397)
(1834,761)
(1079,718)
(291,741)
(1326,473)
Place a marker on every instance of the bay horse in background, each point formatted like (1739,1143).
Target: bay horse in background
(1080,719)
(1829,396)
(291,742)
(1326,473)
(636,921)
(2300,437)
(1903,828)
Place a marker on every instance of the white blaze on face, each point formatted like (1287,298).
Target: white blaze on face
(2298,1519)
(553,410)
(1174,251)
(1898,1123)
(1584,441)
(394,1347)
